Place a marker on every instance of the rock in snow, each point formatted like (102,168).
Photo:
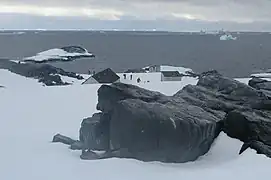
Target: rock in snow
(259,83)
(68,53)
(63,139)
(45,73)
(149,126)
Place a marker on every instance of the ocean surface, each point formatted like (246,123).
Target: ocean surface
(120,51)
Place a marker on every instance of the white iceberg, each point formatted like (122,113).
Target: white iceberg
(226,37)
(68,53)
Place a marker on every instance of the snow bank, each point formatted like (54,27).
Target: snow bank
(30,118)
(70,80)
(12,80)
(17,61)
(153,82)
(57,53)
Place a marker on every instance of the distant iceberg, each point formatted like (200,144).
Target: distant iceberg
(226,37)
(68,53)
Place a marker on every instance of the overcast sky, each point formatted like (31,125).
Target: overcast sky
(176,15)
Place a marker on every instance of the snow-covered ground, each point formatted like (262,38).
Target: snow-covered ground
(73,81)
(153,82)
(15,81)
(56,53)
(11,80)
(31,116)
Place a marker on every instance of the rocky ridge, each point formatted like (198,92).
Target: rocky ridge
(149,126)
(45,73)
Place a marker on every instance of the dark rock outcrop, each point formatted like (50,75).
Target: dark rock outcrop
(259,83)
(150,126)
(74,49)
(45,73)
(260,148)
(249,125)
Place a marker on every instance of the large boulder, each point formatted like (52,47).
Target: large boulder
(216,92)
(150,126)
(152,131)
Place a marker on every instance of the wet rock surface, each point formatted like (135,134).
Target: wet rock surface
(149,126)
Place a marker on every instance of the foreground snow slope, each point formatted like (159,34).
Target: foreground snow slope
(12,80)
(31,116)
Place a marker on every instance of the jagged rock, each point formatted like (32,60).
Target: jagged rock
(259,83)
(63,139)
(149,126)
(249,125)
(52,80)
(152,131)
(109,95)
(216,92)
(260,148)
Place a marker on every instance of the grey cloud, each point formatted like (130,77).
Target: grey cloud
(161,10)
(18,21)
(89,2)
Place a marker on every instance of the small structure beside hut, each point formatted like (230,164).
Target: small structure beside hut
(106,76)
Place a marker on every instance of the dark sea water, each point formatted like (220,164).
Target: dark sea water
(122,50)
